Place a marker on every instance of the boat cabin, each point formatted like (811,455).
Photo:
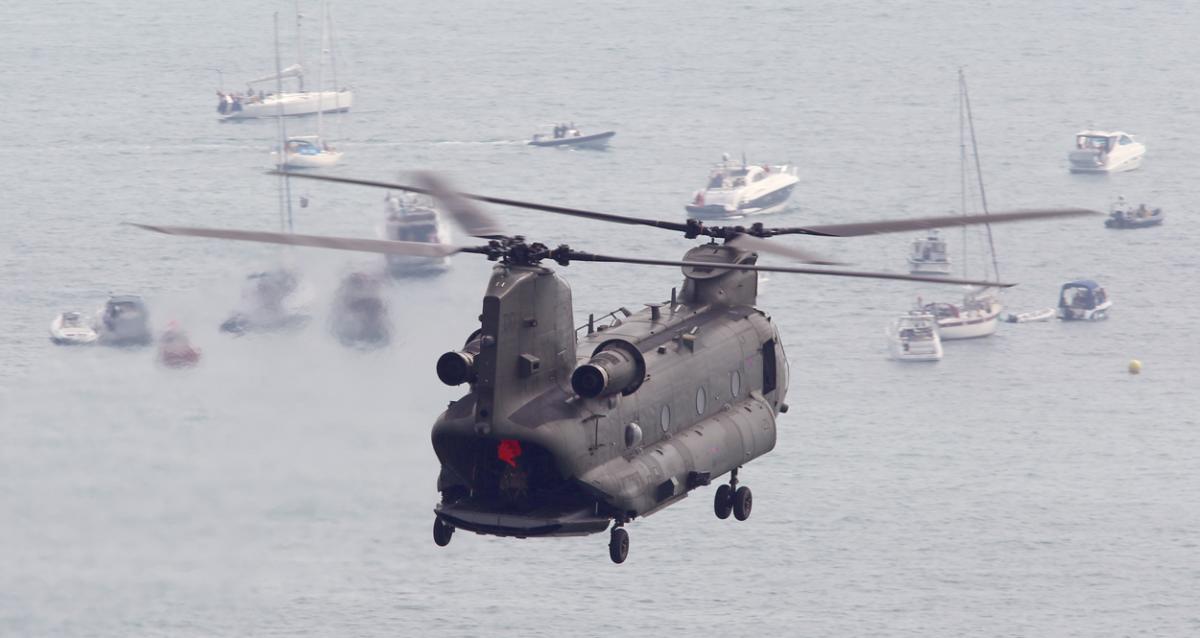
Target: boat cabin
(1083,299)
(915,328)
(724,177)
(124,307)
(307,145)
(929,248)
(1103,141)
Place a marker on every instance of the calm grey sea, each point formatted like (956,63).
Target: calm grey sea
(1024,486)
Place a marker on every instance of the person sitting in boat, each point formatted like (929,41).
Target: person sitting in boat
(1143,211)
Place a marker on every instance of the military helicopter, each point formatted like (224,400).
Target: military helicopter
(569,430)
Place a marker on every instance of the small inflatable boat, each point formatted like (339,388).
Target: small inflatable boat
(69,329)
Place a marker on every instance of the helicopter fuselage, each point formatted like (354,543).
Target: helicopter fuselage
(566,430)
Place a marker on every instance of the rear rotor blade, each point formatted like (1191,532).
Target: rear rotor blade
(924,223)
(383,246)
(546,208)
(755,244)
(579,256)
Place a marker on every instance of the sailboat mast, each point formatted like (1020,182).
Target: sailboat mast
(285,183)
(966,97)
(299,48)
(320,79)
(962,172)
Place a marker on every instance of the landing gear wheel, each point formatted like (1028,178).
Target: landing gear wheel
(723,501)
(618,545)
(442,532)
(742,502)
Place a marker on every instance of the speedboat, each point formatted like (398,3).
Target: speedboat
(70,329)
(359,317)
(1123,215)
(123,321)
(974,317)
(1105,152)
(414,218)
(1083,300)
(263,307)
(567,136)
(175,350)
(307,151)
(914,337)
(928,255)
(737,190)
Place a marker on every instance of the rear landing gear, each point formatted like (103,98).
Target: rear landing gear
(618,545)
(442,531)
(733,499)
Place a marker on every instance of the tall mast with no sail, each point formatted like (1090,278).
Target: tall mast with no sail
(285,184)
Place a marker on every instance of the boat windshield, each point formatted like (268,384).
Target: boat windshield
(1100,142)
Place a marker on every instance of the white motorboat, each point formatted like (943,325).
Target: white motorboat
(1105,152)
(928,255)
(975,317)
(414,218)
(1083,300)
(914,337)
(1045,314)
(307,151)
(70,329)
(737,190)
(567,136)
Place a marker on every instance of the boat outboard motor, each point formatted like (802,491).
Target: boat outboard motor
(616,366)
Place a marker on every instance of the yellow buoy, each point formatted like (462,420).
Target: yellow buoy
(1135,366)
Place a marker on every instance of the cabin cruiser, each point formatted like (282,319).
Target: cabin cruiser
(1083,300)
(1105,152)
(70,329)
(175,350)
(252,104)
(1123,215)
(737,190)
(123,321)
(974,317)
(927,255)
(263,307)
(307,151)
(914,337)
(359,317)
(414,218)
(567,136)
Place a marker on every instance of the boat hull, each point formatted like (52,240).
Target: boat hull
(293,104)
(1125,223)
(1117,165)
(594,141)
(765,204)
(1099,313)
(918,267)
(323,159)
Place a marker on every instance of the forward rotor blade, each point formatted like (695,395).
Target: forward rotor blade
(383,246)
(466,214)
(546,208)
(579,256)
(755,244)
(924,223)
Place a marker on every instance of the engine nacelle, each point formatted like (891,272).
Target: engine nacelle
(458,366)
(616,366)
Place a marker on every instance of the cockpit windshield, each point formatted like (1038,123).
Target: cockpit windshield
(1093,141)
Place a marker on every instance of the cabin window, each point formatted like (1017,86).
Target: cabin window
(735,383)
(700,400)
(664,417)
(768,357)
(1125,140)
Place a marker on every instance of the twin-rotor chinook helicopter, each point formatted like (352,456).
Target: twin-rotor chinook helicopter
(567,430)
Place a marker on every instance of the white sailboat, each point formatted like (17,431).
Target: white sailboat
(979,311)
(234,105)
(312,151)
